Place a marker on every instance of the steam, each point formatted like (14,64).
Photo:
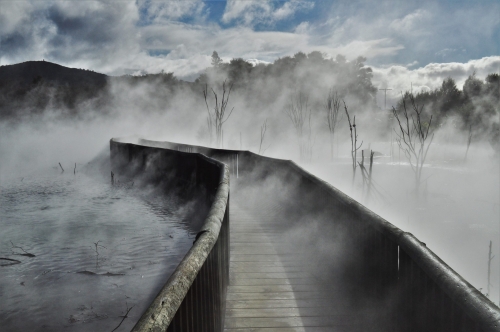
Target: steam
(457,219)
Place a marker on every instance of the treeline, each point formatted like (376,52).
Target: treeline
(33,87)
(475,108)
(313,74)
(474,105)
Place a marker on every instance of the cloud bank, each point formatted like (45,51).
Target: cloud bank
(429,77)
(145,36)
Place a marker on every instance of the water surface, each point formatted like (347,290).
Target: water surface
(88,251)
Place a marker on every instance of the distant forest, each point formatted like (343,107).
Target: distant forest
(474,108)
(31,88)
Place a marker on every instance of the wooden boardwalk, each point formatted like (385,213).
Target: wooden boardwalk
(270,289)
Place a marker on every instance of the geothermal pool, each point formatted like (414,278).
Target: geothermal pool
(457,215)
(68,284)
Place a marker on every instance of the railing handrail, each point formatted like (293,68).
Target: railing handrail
(479,308)
(471,300)
(163,308)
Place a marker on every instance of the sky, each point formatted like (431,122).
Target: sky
(407,43)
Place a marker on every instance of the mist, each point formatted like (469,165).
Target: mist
(456,213)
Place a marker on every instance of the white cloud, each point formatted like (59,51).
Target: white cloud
(189,42)
(302,28)
(83,34)
(254,12)
(290,8)
(446,52)
(124,37)
(246,11)
(255,62)
(431,76)
(13,13)
(160,11)
(368,48)
(415,23)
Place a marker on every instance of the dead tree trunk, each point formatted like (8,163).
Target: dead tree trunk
(263,130)
(332,114)
(469,140)
(490,258)
(298,111)
(354,141)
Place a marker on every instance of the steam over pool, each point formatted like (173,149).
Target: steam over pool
(68,284)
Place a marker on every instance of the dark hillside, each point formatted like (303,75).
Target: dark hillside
(34,88)
(31,72)
(30,88)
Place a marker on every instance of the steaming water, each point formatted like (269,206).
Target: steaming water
(457,215)
(67,286)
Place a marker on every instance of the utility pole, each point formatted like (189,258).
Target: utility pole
(385,97)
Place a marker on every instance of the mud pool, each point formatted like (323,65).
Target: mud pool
(88,251)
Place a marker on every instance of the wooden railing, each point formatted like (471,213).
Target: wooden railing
(193,299)
(426,294)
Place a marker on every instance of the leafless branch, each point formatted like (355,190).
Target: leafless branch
(333,116)
(469,140)
(413,136)
(299,112)
(25,253)
(218,116)
(96,249)
(123,317)
(263,130)
(354,140)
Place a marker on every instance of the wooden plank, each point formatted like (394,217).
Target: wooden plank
(277,322)
(237,248)
(260,257)
(270,303)
(286,264)
(292,329)
(254,268)
(270,286)
(283,312)
(276,288)
(277,296)
(269,275)
(260,289)
(255,250)
(272,281)
(262,312)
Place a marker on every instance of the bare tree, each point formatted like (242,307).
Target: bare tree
(210,120)
(263,130)
(413,136)
(354,141)
(299,112)
(368,182)
(218,116)
(332,108)
(490,258)
(469,140)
